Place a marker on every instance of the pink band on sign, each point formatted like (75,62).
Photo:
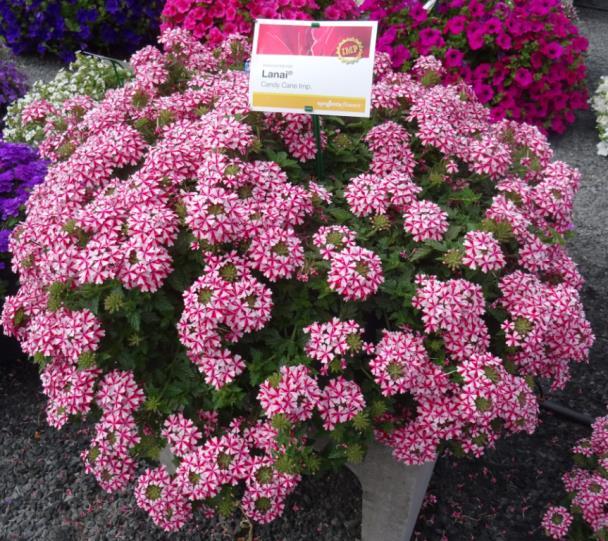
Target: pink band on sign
(284,39)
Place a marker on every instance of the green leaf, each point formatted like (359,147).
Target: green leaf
(465,195)
(342,215)
(228,396)
(436,245)
(420,253)
(361,421)
(134,319)
(355,453)
(72,25)
(179,279)
(452,232)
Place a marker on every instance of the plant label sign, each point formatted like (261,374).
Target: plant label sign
(325,68)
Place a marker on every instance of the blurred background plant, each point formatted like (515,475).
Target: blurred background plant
(600,106)
(62,27)
(21,168)
(13,83)
(525,60)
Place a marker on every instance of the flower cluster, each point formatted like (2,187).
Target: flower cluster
(189,281)
(86,76)
(20,170)
(600,106)
(587,487)
(215,21)
(116,432)
(524,59)
(61,27)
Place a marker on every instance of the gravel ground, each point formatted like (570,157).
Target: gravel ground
(45,495)
(39,69)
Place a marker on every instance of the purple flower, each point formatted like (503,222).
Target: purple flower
(476,39)
(13,83)
(429,38)
(493,26)
(4,236)
(552,50)
(453,58)
(401,54)
(21,169)
(482,71)
(484,92)
(523,77)
(60,27)
(504,41)
(456,25)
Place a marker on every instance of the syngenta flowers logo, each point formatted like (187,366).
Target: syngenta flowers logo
(350,50)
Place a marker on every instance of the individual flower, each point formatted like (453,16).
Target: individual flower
(556,522)
(399,363)
(367,194)
(118,390)
(220,367)
(277,253)
(150,487)
(213,215)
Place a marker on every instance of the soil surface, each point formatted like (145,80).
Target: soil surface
(45,494)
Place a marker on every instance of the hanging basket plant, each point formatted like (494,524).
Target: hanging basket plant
(188,280)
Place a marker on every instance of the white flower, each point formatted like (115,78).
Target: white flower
(599,102)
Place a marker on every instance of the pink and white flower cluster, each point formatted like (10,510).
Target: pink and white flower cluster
(116,433)
(587,487)
(202,297)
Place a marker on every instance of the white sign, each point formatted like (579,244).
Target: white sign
(322,67)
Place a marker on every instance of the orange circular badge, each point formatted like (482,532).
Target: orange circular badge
(350,50)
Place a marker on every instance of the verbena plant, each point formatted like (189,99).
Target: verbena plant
(587,487)
(187,280)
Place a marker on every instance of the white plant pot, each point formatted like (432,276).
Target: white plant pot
(392,494)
